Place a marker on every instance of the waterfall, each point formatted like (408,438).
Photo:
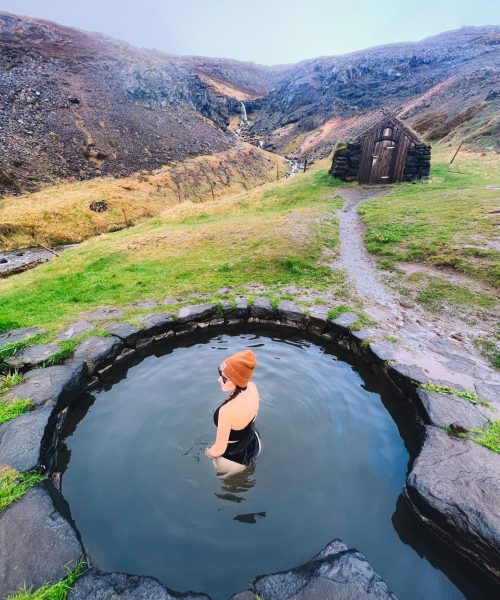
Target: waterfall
(244,118)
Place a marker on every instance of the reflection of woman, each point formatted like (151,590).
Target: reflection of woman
(237,442)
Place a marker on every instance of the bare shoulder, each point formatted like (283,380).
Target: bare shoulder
(252,388)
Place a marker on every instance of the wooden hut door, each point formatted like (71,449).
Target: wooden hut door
(383,157)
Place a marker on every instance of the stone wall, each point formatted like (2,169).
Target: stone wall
(418,162)
(346,161)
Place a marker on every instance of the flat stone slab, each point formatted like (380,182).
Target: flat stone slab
(58,385)
(384,350)
(454,487)
(443,410)
(289,311)
(336,573)
(95,585)
(19,335)
(318,316)
(343,322)
(97,352)
(197,312)
(104,312)
(75,330)
(239,310)
(21,439)
(37,544)
(262,309)
(158,323)
(128,333)
(31,357)
(145,304)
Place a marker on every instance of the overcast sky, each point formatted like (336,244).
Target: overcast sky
(263,31)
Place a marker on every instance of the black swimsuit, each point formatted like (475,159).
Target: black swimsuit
(245,446)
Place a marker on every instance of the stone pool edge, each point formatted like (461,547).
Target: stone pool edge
(449,486)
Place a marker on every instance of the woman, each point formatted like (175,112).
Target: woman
(237,442)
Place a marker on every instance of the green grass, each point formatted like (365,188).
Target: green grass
(446,222)
(438,293)
(52,591)
(488,436)
(469,395)
(11,410)
(363,319)
(9,380)
(274,236)
(66,349)
(13,484)
(490,350)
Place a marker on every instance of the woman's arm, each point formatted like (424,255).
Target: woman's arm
(223,431)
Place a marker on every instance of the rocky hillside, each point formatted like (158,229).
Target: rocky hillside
(78,104)
(437,85)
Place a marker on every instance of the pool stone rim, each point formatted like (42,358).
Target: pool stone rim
(95,359)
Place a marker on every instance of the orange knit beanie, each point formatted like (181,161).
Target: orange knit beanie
(239,367)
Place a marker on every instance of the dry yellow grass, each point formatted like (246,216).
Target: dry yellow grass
(60,214)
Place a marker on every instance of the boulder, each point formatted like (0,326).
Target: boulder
(57,386)
(262,309)
(442,410)
(21,439)
(37,544)
(129,334)
(197,312)
(454,487)
(19,335)
(289,313)
(32,356)
(98,352)
(95,585)
(336,573)
(157,324)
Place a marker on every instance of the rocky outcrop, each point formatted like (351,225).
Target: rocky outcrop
(95,585)
(98,352)
(37,544)
(336,573)
(454,487)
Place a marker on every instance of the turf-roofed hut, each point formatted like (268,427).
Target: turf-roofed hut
(387,152)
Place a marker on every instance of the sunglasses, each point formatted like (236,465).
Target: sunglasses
(224,378)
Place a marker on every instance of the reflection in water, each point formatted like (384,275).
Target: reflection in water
(250,518)
(234,487)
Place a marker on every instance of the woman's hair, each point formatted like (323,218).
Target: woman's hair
(234,393)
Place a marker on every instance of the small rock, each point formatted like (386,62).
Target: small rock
(75,330)
(384,350)
(318,318)
(145,304)
(289,312)
(197,312)
(342,323)
(129,334)
(458,336)
(262,309)
(19,335)
(158,323)
(104,312)
(98,352)
(31,357)
(99,206)
(442,410)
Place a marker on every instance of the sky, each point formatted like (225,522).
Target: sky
(262,31)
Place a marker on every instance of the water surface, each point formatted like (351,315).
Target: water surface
(146,499)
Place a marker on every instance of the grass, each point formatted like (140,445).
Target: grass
(488,436)
(52,591)
(363,319)
(490,350)
(273,235)
(11,410)
(13,484)
(438,293)
(449,221)
(9,380)
(469,395)
(66,349)
(60,214)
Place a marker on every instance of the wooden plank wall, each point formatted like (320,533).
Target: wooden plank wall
(398,162)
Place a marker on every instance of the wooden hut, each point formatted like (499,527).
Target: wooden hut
(388,152)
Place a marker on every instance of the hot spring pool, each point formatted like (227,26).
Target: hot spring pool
(146,499)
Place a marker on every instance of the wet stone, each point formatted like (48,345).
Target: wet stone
(454,487)
(442,410)
(21,439)
(128,333)
(32,356)
(58,385)
(19,335)
(197,312)
(185,329)
(262,309)
(37,544)
(75,330)
(158,323)
(95,585)
(98,352)
(336,572)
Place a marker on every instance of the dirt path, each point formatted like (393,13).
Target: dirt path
(439,344)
